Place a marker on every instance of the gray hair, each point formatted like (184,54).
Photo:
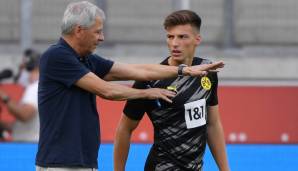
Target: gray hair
(81,13)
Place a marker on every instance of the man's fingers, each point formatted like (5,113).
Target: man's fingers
(219,64)
(204,69)
(166,99)
(213,71)
(213,66)
(167,95)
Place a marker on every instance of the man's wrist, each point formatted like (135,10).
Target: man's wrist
(186,70)
(181,70)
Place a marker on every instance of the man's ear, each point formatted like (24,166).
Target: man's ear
(77,30)
(198,39)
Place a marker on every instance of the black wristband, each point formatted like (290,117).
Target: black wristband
(5,99)
(180,69)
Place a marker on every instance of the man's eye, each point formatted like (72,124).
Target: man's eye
(182,36)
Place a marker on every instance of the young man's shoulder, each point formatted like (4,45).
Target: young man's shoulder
(200,60)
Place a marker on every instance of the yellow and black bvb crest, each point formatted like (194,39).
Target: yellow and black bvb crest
(206,83)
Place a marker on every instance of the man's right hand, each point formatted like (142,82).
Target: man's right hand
(203,69)
(158,93)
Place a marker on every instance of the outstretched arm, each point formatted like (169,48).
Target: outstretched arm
(122,142)
(216,139)
(146,72)
(112,91)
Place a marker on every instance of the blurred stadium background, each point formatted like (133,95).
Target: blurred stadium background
(258,91)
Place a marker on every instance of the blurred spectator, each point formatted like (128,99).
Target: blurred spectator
(22,76)
(26,126)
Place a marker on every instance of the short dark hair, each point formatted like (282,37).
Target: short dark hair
(183,17)
(31,59)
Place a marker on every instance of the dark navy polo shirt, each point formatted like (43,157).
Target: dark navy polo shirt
(69,122)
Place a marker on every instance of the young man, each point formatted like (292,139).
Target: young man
(70,78)
(181,128)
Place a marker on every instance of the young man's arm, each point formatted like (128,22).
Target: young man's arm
(147,72)
(112,91)
(216,139)
(122,141)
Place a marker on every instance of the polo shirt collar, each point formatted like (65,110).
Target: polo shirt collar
(62,42)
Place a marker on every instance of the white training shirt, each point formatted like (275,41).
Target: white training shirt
(28,131)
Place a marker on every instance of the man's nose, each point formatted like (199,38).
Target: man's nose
(101,37)
(175,41)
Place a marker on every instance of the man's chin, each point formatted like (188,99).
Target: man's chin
(93,50)
(178,58)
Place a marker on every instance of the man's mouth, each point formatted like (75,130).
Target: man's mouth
(176,52)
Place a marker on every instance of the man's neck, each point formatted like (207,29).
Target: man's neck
(74,45)
(187,61)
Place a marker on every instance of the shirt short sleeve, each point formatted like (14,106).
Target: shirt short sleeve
(213,97)
(63,66)
(101,66)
